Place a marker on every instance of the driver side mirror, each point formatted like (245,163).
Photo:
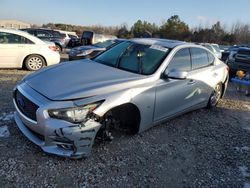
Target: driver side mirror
(176,74)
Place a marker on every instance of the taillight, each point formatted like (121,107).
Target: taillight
(53,48)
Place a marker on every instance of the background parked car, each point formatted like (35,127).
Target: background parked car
(67,35)
(231,50)
(90,37)
(239,60)
(91,51)
(48,35)
(19,49)
(74,41)
(213,48)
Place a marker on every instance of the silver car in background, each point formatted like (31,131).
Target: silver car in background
(213,48)
(134,86)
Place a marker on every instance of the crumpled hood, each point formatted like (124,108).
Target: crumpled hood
(80,79)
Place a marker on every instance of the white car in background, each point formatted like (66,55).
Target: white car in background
(19,49)
(213,48)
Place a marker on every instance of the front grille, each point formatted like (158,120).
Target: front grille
(244,51)
(27,107)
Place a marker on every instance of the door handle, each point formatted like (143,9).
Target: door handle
(191,82)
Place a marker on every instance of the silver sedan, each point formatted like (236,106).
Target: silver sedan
(132,86)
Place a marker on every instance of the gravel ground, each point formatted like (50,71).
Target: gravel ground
(204,148)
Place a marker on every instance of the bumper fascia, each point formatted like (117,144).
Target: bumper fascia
(56,136)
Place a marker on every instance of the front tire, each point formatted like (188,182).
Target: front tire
(215,96)
(34,62)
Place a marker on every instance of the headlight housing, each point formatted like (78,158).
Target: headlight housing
(75,114)
(84,53)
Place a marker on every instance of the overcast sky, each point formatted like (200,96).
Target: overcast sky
(117,12)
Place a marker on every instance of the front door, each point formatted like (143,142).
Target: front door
(173,96)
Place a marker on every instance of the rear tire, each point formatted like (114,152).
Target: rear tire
(215,96)
(34,62)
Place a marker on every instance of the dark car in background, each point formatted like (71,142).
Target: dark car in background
(74,41)
(239,60)
(48,35)
(90,51)
(226,53)
(90,37)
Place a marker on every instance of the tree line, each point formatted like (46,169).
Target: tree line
(172,28)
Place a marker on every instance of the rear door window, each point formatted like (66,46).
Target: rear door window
(199,58)
(10,38)
(181,61)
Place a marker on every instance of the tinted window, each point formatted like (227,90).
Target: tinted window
(63,35)
(41,33)
(199,58)
(181,61)
(9,38)
(56,33)
(87,34)
(32,32)
(73,36)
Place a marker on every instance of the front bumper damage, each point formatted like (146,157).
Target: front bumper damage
(60,139)
(54,136)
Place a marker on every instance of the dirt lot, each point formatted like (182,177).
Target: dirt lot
(204,148)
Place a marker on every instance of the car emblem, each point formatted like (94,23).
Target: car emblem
(21,103)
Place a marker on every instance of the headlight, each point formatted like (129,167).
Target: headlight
(84,53)
(74,115)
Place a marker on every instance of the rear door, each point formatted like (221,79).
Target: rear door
(204,73)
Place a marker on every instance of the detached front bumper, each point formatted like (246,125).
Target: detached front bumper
(57,136)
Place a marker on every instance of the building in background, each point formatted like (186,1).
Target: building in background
(14,24)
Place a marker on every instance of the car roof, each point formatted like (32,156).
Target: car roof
(24,34)
(161,42)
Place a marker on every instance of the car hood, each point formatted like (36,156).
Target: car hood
(80,79)
(82,48)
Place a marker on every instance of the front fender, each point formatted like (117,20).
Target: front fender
(143,98)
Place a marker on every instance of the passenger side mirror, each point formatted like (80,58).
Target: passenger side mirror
(176,74)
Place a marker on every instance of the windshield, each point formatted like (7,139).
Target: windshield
(105,44)
(134,57)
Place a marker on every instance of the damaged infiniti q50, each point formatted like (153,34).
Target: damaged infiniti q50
(136,84)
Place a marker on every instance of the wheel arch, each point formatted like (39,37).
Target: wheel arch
(23,62)
(128,113)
